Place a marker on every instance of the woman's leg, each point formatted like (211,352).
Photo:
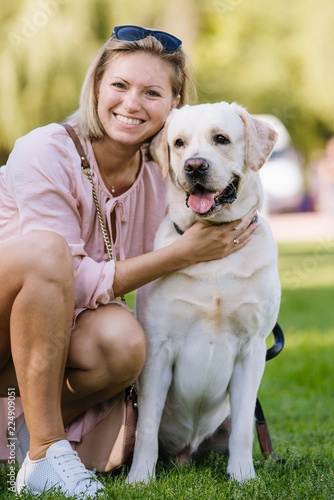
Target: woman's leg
(36,311)
(107,352)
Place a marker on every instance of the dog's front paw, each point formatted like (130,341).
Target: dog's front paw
(140,475)
(241,470)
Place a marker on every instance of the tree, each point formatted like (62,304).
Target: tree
(272,57)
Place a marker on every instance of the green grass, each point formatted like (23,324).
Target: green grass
(297,395)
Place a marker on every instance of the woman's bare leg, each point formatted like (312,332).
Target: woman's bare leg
(107,352)
(36,307)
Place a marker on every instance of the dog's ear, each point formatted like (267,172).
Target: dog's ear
(159,148)
(260,139)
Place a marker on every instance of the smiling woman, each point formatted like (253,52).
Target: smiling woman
(134,98)
(129,90)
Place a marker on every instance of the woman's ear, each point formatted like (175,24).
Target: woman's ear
(175,103)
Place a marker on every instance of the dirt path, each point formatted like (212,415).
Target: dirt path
(305,226)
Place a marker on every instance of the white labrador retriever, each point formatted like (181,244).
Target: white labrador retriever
(207,324)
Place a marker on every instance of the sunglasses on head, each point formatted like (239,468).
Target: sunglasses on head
(134,33)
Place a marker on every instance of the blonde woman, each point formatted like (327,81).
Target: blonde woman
(67,342)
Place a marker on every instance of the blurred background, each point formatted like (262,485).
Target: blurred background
(275,58)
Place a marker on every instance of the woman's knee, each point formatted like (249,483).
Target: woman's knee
(49,254)
(38,254)
(31,266)
(135,347)
(125,345)
(116,343)
(47,265)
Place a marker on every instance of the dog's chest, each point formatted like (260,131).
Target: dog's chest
(209,300)
(222,295)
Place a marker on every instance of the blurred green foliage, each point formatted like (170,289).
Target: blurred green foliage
(272,57)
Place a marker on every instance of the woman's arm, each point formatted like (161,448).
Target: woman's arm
(45,184)
(199,243)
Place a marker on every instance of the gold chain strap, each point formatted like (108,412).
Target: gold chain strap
(87,170)
(105,234)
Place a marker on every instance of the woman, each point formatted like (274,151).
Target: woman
(47,209)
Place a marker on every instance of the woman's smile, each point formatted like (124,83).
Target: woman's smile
(127,120)
(134,98)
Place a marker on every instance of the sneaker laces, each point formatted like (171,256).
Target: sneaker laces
(72,464)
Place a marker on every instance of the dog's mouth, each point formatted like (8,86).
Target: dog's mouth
(203,202)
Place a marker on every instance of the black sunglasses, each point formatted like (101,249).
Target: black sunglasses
(134,33)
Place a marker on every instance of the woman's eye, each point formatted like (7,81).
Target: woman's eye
(221,139)
(118,85)
(179,143)
(153,93)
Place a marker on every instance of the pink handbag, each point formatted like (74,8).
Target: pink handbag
(108,442)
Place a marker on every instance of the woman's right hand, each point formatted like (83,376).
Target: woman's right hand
(204,242)
(199,243)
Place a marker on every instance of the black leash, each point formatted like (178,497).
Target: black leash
(260,421)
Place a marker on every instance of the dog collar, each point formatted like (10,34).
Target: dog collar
(180,231)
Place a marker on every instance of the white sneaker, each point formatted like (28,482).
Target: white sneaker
(61,468)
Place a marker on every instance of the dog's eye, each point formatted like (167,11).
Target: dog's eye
(179,143)
(221,139)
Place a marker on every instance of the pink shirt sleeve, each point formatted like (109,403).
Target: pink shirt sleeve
(42,187)
(44,177)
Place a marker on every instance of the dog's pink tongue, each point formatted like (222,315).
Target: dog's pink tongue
(201,202)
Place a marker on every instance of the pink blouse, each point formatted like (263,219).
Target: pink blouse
(42,186)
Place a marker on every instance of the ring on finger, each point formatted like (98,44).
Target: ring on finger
(236,242)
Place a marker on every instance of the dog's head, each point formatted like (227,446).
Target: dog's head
(213,153)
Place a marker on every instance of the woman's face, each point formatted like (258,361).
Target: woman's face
(135,97)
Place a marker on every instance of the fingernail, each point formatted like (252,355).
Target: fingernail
(254,226)
(255,212)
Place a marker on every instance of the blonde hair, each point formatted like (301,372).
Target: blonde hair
(86,118)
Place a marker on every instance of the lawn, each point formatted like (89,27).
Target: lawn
(297,395)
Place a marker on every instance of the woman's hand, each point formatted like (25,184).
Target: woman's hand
(210,242)
(199,243)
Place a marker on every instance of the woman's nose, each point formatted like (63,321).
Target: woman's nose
(133,101)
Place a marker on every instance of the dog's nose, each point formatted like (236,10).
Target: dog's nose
(196,167)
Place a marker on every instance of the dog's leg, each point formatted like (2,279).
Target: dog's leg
(154,383)
(244,385)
